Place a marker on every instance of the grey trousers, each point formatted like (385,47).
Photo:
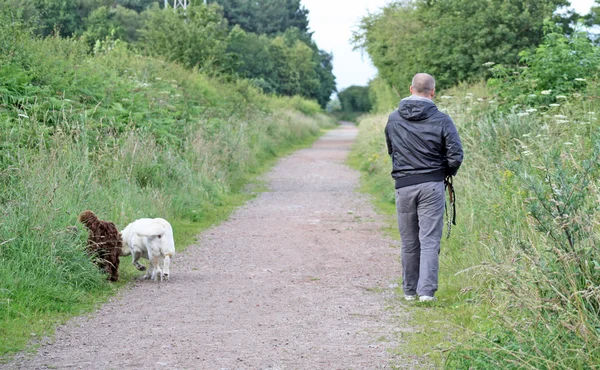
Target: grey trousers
(420,210)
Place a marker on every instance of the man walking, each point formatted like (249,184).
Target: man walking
(425,148)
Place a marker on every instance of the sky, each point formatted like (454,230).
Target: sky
(333,21)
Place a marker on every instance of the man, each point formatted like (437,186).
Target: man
(425,148)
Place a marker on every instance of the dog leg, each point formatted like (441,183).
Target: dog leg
(166,266)
(135,258)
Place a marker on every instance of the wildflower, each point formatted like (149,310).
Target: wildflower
(479,99)
(446,97)
(469,94)
(532,95)
(488,64)
(526,135)
(554,105)
(522,114)
(568,143)
(576,95)
(157,78)
(23,115)
(469,97)
(560,97)
(492,101)
(546,92)
(580,79)
(531,110)
(591,113)
(560,116)
(527,152)
(562,121)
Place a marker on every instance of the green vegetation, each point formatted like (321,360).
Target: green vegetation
(355,99)
(520,273)
(452,40)
(127,136)
(265,42)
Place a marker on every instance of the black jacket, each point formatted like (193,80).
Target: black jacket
(423,143)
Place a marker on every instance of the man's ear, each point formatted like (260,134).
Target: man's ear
(411,90)
(432,93)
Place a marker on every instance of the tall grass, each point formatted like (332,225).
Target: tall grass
(126,136)
(521,270)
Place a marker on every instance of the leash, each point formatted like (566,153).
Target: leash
(452,198)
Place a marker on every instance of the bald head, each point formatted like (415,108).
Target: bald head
(423,84)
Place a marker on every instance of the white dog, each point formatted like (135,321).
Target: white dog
(151,238)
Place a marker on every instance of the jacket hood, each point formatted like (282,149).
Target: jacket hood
(416,108)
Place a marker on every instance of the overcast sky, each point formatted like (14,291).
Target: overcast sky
(332,22)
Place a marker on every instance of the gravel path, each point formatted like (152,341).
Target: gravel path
(299,278)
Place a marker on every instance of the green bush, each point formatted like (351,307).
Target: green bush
(561,64)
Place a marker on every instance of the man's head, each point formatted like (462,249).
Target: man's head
(423,85)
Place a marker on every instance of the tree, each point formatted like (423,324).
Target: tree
(114,22)
(196,37)
(270,17)
(451,39)
(355,99)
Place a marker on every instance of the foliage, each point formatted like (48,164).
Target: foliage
(281,60)
(196,37)
(265,17)
(116,23)
(355,99)
(560,65)
(284,65)
(383,98)
(452,40)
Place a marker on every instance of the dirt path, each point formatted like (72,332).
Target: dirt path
(296,279)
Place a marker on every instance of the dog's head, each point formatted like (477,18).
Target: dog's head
(88,218)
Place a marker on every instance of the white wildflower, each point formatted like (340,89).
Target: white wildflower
(492,101)
(568,143)
(546,92)
(522,114)
(554,105)
(446,97)
(479,99)
(531,110)
(532,95)
(526,135)
(488,64)
(23,115)
(591,113)
(527,152)
(560,116)
(157,78)
(580,79)
(560,97)
(469,97)
(562,121)
(469,94)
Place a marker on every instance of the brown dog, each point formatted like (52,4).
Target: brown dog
(104,243)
